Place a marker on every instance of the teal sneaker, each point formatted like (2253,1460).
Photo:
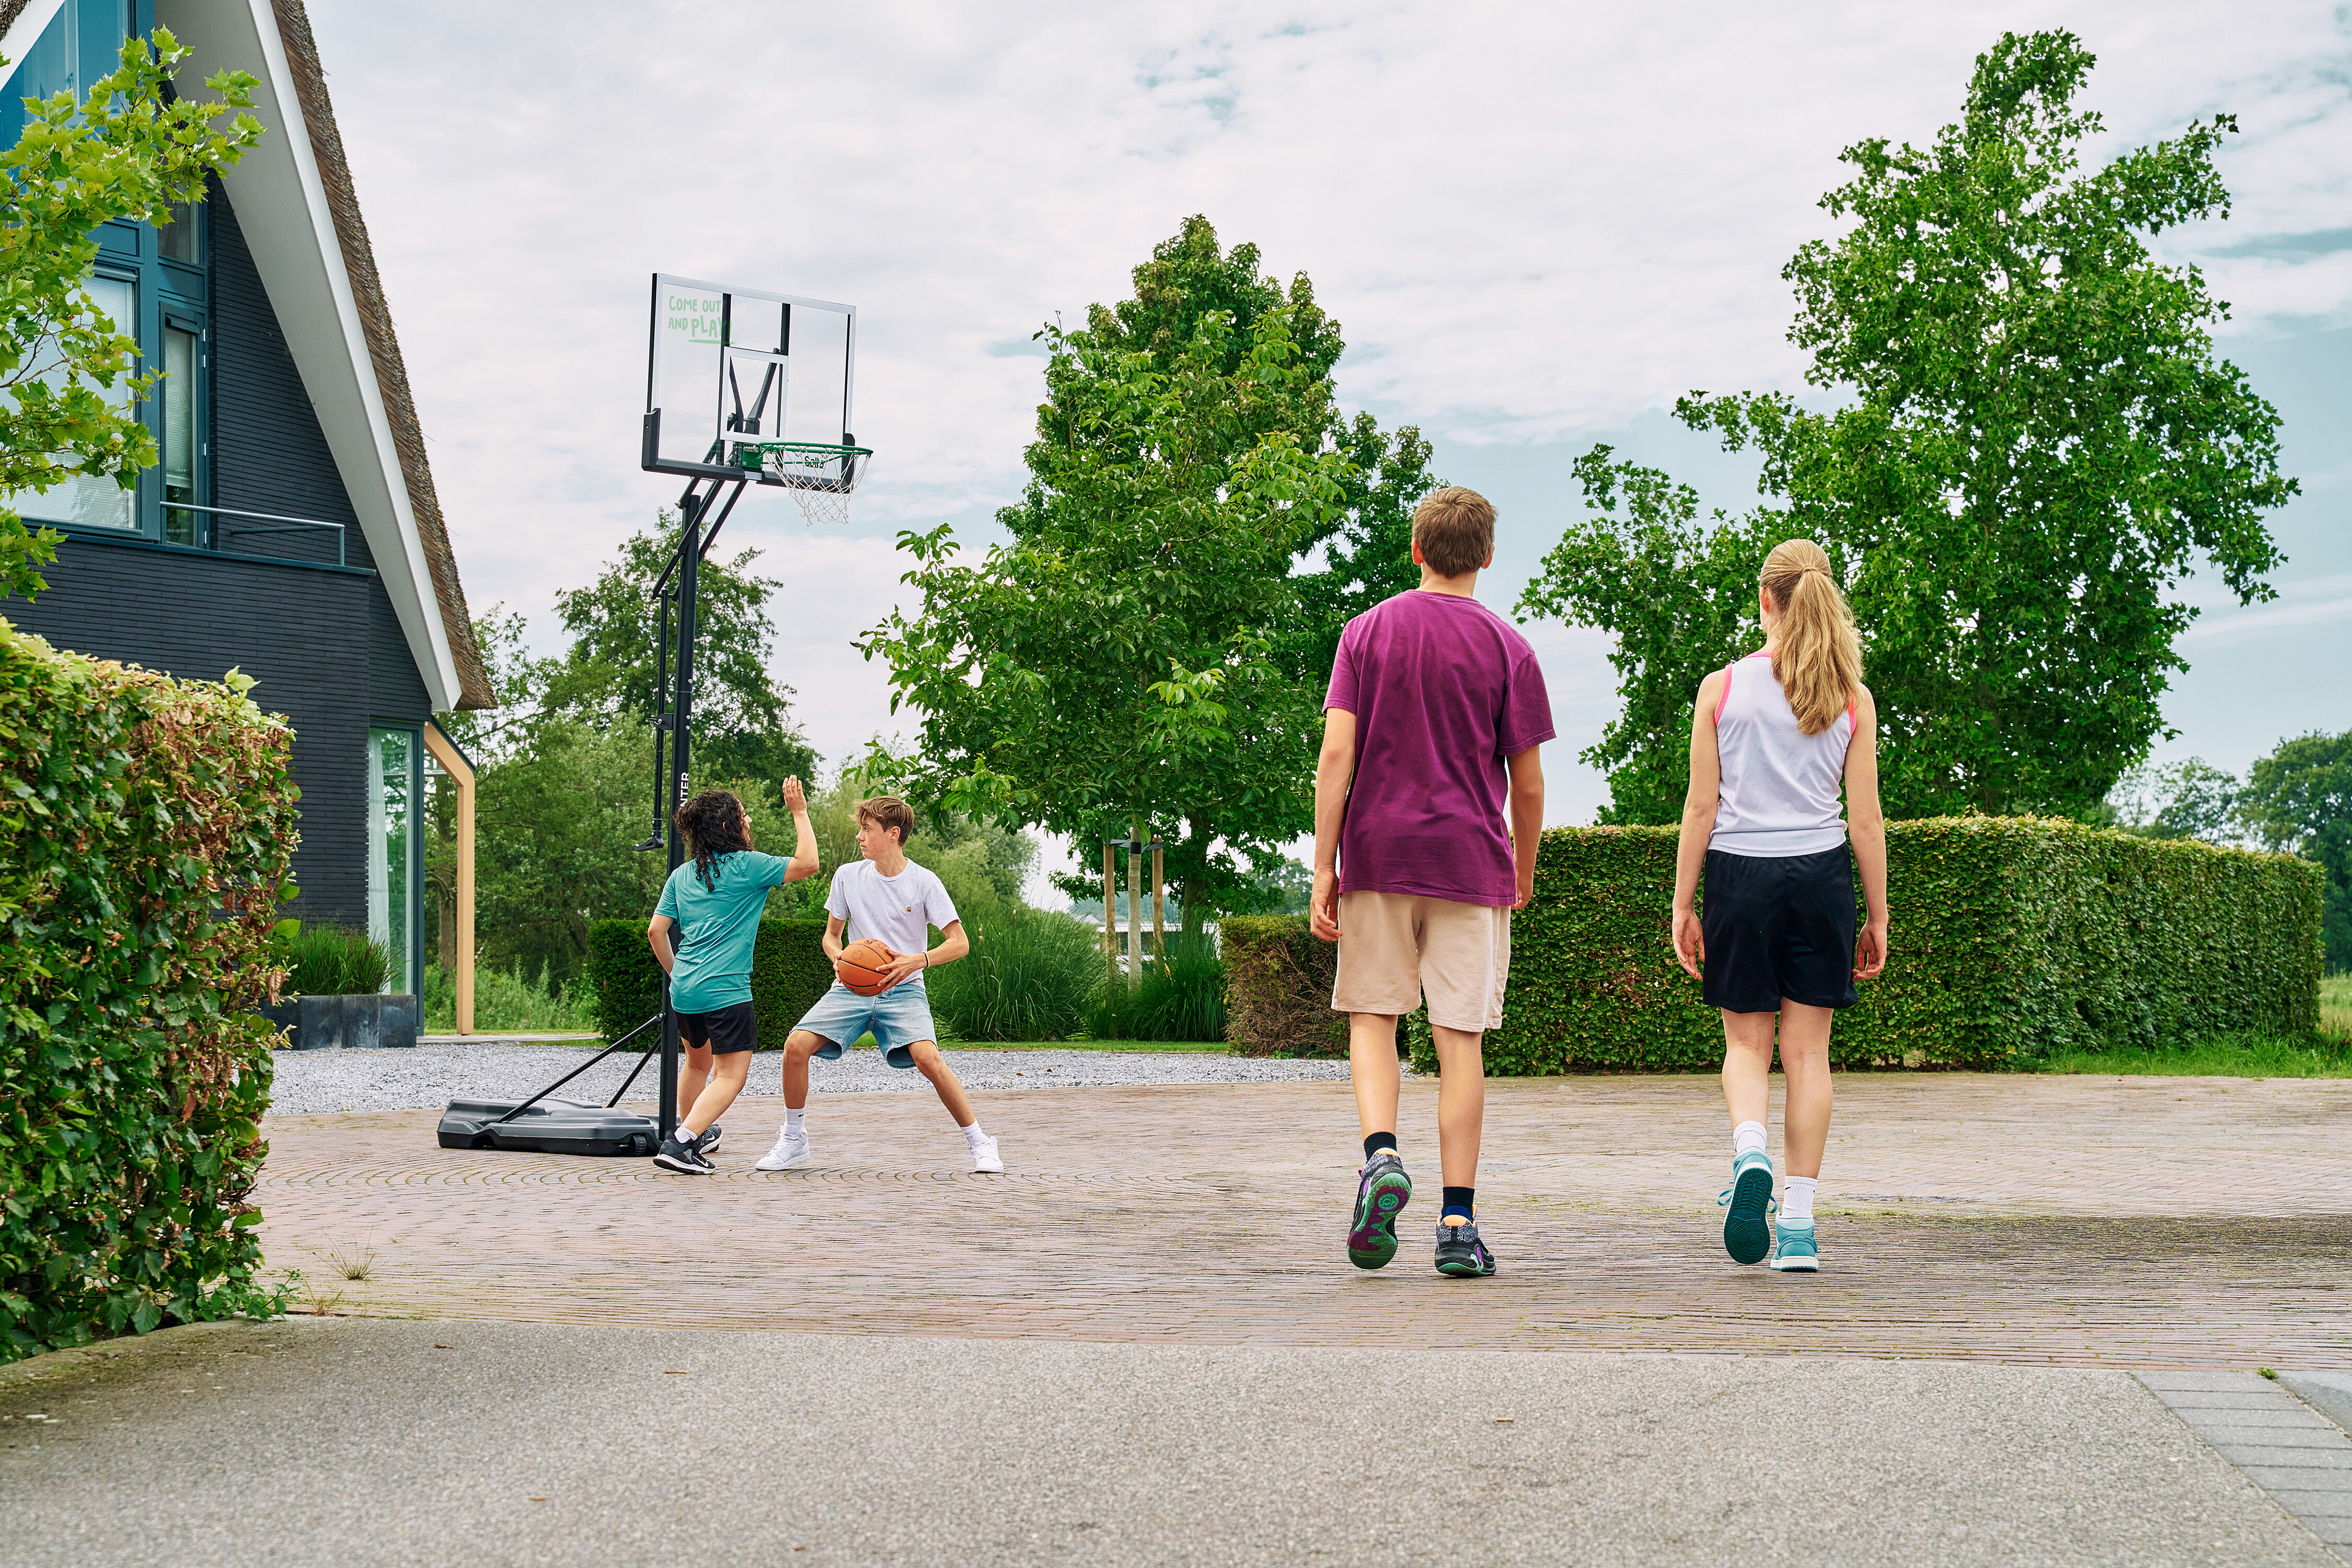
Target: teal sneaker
(1747,1232)
(1795,1253)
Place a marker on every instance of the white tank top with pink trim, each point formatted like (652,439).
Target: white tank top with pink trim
(1779,789)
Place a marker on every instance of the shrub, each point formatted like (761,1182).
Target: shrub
(330,961)
(1180,998)
(1031,974)
(2014,938)
(1278,987)
(789,973)
(509,1000)
(145,829)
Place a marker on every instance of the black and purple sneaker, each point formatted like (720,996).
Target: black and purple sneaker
(1382,1190)
(1462,1253)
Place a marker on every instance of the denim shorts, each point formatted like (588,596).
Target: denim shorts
(898,1017)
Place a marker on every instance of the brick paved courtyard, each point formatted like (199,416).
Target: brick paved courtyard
(2138,1222)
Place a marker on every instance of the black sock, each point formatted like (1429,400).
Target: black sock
(1457,1202)
(1376,1142)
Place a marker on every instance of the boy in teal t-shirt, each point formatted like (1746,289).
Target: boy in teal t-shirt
(714,902)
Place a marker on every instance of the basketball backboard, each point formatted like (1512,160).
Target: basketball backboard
(733,375)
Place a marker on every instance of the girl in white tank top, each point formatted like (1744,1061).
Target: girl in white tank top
(1775,737)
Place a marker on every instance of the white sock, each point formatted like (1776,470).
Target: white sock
(792,1118)
(974,1136)
(1797,1197)
(1748,1135)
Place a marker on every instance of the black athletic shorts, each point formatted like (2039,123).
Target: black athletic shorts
(727,1031)
(1779,926)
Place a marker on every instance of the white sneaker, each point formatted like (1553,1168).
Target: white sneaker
(985,1157)
(791,1150)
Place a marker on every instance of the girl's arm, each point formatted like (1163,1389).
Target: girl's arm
(1866,825)
(1698,824)
(657,933)
(804,856)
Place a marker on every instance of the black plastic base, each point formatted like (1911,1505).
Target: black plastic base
(550,1127)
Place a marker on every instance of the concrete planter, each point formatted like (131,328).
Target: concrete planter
(363,1022)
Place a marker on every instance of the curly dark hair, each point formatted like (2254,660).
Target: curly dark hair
(714,824)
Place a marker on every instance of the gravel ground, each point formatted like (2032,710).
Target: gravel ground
(428,1077)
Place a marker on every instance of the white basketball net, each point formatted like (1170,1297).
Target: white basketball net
(819,478)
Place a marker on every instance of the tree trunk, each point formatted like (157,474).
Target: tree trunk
(1134,904)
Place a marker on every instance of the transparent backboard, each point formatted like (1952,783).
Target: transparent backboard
(731,367)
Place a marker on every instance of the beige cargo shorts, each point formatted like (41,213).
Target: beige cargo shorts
(1393,947)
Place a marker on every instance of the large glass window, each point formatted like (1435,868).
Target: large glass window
(92,500)
(394,868)
(178,397)
(176,241)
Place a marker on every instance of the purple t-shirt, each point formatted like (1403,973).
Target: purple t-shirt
(1444,690)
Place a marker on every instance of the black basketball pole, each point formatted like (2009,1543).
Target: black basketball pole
(689,556)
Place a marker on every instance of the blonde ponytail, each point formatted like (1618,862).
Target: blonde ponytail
(1819,661)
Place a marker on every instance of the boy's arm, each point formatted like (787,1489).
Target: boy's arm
(1527,819)
(832,924)
(657,933)
(953,944)
(1334,769)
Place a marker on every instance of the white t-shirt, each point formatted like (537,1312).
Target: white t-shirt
(894,911)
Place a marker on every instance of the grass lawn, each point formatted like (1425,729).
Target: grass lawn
(2239,1056)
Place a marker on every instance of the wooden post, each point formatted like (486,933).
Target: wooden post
(453,763)
(1134,903)
(1158,910)
(1110,892)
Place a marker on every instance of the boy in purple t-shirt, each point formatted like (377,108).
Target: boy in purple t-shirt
(1436,712)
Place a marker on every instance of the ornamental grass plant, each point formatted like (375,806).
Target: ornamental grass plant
(323,960)
(1031,974)
(1180,997)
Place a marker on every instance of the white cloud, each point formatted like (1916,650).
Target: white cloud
(1532,220)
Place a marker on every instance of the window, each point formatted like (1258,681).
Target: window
(177,397)
(176,240)
(395,864)
(92,500)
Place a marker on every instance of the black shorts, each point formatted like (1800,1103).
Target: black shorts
(1779,926)
(727,1031)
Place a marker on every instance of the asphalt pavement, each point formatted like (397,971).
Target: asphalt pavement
(360,1442)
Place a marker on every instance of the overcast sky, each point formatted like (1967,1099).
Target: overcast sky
(1536,224)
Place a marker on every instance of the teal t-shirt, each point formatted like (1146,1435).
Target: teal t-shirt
(715,927)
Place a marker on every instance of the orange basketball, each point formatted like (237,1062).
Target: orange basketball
(864,966)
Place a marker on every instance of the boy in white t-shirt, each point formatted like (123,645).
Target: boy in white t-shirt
(889,898)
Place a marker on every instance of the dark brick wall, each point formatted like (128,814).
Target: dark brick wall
(192,613)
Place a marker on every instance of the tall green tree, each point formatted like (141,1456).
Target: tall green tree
(70,377)
(1112,669)
(742,724)
(2299,798)
(2038,446)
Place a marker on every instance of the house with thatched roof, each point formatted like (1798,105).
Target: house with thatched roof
(291,529)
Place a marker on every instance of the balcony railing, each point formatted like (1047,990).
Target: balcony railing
(227,536)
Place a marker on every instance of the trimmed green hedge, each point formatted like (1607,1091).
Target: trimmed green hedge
(146,824)
(2013,937)
(789,973)
(1278,988)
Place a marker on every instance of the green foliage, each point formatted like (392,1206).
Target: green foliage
(2014,938)
(507,1000)
(2191,799)
(329,961)
(1133,659)
(146,826)
(1180,997)
(789,973)
(1679,593)
(742,717)
(1367,546)
(2040,445)
(1031,974)
(1278,981)
(130,151)
(2300,798)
